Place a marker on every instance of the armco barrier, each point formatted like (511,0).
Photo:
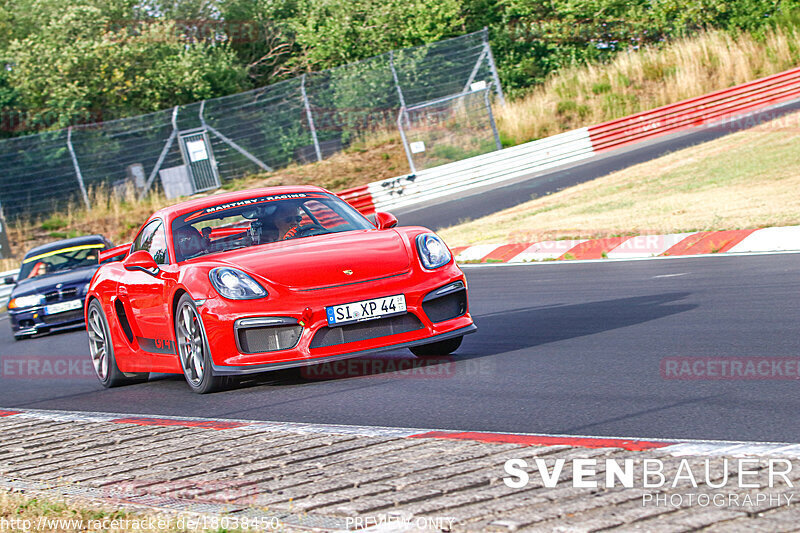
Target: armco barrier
(485,169)
(463,175)
(576,145)
(5,290)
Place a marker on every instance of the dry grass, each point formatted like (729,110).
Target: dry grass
(378,155)
(8,264)
(748,179)
(646,79)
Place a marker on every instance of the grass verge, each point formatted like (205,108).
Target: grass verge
(20,512)
(748,179)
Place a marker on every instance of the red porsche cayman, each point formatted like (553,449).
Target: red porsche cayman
(266,279)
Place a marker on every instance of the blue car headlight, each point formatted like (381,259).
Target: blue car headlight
(432,251)
(235,284)
(32,300)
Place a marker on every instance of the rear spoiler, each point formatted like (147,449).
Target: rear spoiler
(117,253)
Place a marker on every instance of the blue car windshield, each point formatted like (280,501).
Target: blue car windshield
(60,260)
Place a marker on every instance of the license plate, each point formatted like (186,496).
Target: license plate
(339,315)
(60,307)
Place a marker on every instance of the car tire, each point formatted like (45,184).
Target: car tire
(101,349)
(444,347)
(193,352)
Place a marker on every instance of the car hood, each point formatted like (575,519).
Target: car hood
(43,284)
(327,260)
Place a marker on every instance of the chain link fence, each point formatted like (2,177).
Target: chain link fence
(198,146)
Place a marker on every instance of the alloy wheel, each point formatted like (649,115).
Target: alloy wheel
(190,344)
(98,343)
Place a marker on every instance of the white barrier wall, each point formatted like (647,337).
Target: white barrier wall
(485,169)
(5,290)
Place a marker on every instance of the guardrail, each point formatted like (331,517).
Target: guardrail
(576,145)
(5,290)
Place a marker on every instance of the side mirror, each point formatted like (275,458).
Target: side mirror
(9,280)
(385,220)
(141,260)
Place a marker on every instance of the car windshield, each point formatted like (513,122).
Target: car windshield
(60,260)
(262,220)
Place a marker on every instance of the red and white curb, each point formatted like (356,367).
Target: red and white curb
(764,240)
(674,447)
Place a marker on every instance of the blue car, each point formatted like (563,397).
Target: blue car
(51,286)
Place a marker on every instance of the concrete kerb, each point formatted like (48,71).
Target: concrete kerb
(328,477)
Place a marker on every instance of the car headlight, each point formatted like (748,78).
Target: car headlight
(432,251)
(86,289)
(235,284)
(31,300)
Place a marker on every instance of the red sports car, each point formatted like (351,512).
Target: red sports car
(267,279)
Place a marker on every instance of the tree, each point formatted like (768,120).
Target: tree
(81,67)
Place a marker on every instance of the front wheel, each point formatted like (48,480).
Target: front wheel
(444,347)
(193,348)
(101,348)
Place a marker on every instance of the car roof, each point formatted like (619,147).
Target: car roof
(216,199)
(66,243)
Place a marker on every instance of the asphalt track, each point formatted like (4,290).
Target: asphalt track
(568,348)
(444,212)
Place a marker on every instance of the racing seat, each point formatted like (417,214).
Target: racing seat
(189,243)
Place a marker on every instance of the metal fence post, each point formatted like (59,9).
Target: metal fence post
(310,118)
(397,84)
(77,169)
(5,249)
(396,80)
(230,142)
(475,70)
(405,140)
(492,66)
(491,118)
(163,155)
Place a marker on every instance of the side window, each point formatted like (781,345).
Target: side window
(152,239)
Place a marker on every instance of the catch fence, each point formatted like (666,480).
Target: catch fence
(196,147)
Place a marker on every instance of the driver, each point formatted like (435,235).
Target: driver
(287,218)
(279,225)
(189,242)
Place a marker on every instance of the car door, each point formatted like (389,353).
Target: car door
(147,295)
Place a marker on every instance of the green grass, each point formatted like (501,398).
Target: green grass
(53,223)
